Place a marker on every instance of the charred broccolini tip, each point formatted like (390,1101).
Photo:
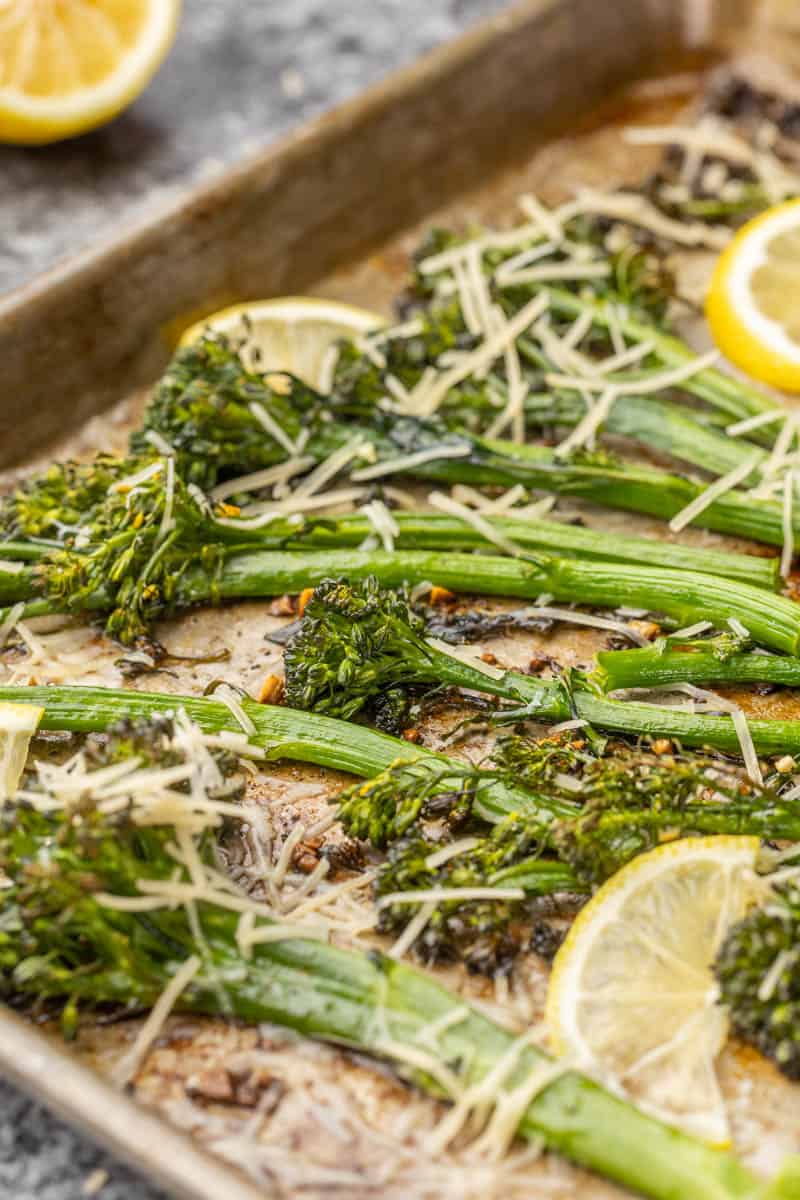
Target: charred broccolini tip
(355,641)
(758,971)
(485,933)
(55,503)
(207,407)
(384,808)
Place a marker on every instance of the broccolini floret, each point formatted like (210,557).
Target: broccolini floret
(758,971)
(207,405)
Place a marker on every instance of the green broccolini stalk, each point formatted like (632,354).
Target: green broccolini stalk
(657,424)
(61,940)
(142,574)
(433,530)
(773,621)
(283,732)
(758,971)
(678,660)
(355,642)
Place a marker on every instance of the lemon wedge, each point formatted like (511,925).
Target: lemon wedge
(293,333)
(752,301)
(632,996)
(69,65)
(18,724)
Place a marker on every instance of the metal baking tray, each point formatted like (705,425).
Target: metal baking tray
(324,211)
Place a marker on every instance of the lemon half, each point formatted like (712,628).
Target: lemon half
(292,333)
(752,304)
(67,66)
(632,995)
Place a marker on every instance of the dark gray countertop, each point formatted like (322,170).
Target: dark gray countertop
(240,74)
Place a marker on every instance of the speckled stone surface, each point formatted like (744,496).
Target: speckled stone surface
(241,73)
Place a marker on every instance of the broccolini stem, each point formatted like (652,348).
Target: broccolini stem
(547,700)
(657,424)
(285,733)
(613,484)
(26,551)
(15,585)
(380,1006)
(772,620)
(432,531)
(691,662)
(733,396)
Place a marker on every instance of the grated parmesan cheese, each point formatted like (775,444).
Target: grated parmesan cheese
(636,210)
(718,488)
(655,381)
(739,428)
(452,850)
(129,1064)
(690,631)
(271,426)
(407,462)
(280,473)
(160,443)
(382,521)
(227,697)
(585,432)
(477,522)
(412,930)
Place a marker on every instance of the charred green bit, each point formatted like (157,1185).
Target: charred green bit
(544,764)
(356,643)
(634,801)
(133,551)
(758,971)
(206,409)
(484,933)
(384,808)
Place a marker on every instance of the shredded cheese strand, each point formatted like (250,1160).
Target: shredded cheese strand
(718,488)
(129,1064)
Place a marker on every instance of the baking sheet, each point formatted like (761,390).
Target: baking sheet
(209,1077)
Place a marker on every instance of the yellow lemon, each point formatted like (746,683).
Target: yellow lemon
(632,996)
(752,304)
(69,65)
(293,333)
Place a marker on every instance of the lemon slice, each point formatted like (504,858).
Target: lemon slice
(752,302)
(18,724)
(293,333)
(69,65)
(632,995)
